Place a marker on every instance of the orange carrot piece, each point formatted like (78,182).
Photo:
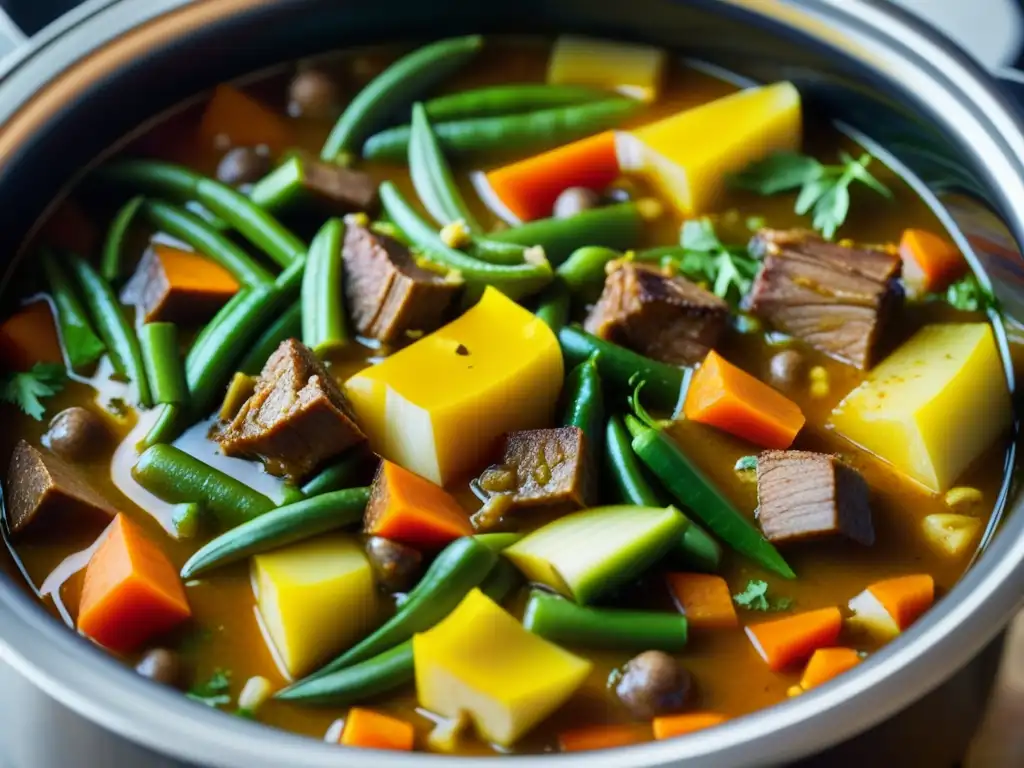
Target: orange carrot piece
(373,730)
(132,592)
(723,396)
(593,737)
(930,262)
(827,663)
(28,337)
(905,597)
(669,726)
(193,272)
(181,286)
(530,187)
(786,641)
(407,508)
(238,120)
(704,599)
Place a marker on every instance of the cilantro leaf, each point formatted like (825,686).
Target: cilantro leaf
(214,692)
(779,172)
(727,271)
(754,597)
(26,389)
(968,295)
(745,464)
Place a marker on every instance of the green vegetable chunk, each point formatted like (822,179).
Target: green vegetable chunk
(80,342)
(432,176)
(112,263)
(496,100)
(323,311)
(554,305)
(162,358)
(585,406)
(380,674)
(287,326)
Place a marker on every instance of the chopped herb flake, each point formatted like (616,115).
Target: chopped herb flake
(28,388)
(214,692)
(755,598)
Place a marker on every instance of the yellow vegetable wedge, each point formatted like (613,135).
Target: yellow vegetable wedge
(438,405)
(632,70)
(690,155)
(933,406)
(481,663)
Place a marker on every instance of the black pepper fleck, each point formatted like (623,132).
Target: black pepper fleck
(461,350)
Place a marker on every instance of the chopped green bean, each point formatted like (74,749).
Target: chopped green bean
(495,100)
(323,310)
(112,264)
(352,469)
(377,675)
(161,356)
(287,326)
(81,344)
(432,176)
(554,305)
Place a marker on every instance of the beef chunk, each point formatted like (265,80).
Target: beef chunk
(337,187)
(804,495)
(42,489)
(838,299)
(664,317)
(296,419)
(543,467)
(177,286)
(387,294)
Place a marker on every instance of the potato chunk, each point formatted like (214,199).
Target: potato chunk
(951,534)
(933,406)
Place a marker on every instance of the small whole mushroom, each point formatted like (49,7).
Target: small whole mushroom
(243,165)
(395,565)
(653,684)
(76,433)
(314,95)
(575,200)
(162,666)
(786,368)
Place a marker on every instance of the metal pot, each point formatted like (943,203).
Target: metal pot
(83,82)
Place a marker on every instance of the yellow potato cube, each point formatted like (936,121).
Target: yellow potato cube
(316,598)
(951,534)
(632,70)
(933,406)
(481,662)
(690,155)
(438,406)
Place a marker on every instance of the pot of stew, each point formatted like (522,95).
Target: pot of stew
(402,383)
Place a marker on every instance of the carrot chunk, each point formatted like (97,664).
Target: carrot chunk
(28,337)
(602,737)
(827,663)
(930,262)
(373,730)
(723,396)
(178,286)
(704,599)
(132,593)
(888,607)
(786,641)
(405,507)
(238,120)
(668,726)
(530,187)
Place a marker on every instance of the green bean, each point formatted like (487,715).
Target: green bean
(402,82)
(509,99)
(584,270)
(618,366)
(290,494)
(503,578)
(176,477)
(619,226)
(566,623)
(522,133)
(432,176)
(585,406)
(354,466)
(186,226)
(370,678)
(280,527)
(496,252)
(287,326)
(498,541)
(161,356)
(323,313)
(81,344)
(186,520)
(112,263)
(113,327)
(171,422)
(554,305)
(514,281)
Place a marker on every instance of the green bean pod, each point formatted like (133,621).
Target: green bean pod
(496,252)
(186,226)
(518,133)
(618,366)
(161,356)
(186,520)
(584,270)
(323,310)
(280,527)
(566,623)
(503,578)
(171,422)
(113,327)
(287,326)
(432,176)
(402,82)
(354,466)
(494,100)
(178,478)
(112,261)
(585,403)
(554,305)
(81,344)
(380,674)
(514,281)
(498,541)
(618,226)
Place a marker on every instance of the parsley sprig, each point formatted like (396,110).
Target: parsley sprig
(824,189)
(27,389)
(215,691)
(754,597)
(727,270)
(969,295)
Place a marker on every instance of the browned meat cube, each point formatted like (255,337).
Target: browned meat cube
(297,419)
(43,490)
(803,495)
(664,317)
(543,467)
(177,286)
(838,299)
(386,293)
(336,187)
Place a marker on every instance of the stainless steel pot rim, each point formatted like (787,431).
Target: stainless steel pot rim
(93,684)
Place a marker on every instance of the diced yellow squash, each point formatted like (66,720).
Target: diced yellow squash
(690,155)
(933,406)
(316,599)
(438,406)
(482,663)
(951,534)
(632,70)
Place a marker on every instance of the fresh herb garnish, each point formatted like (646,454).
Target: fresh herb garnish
(638,407)
(968,295)
(824,189)
(728,271)
(754,597)
(214,692)
(28,388)
(745,464)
